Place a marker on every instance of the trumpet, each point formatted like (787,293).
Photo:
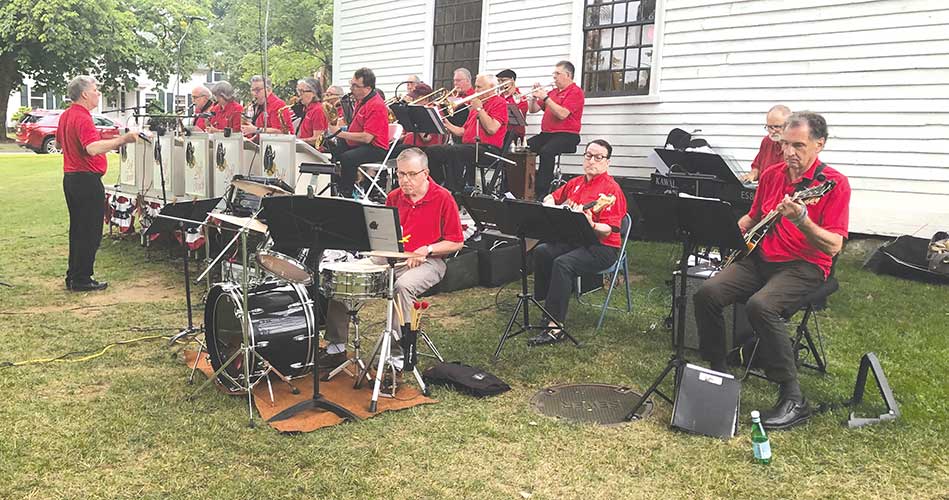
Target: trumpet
(431,97)
(530,90)
(457,105)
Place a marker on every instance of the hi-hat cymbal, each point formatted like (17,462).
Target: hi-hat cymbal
(252,224)
(258,189)
(390,255)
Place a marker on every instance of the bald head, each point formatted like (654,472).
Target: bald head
(774,121)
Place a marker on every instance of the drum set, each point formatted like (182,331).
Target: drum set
(262,318)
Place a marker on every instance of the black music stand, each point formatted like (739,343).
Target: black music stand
(418,119)
(698,164)
(183,215)
(700,221)
(528,219)
(514,116)
(319,224)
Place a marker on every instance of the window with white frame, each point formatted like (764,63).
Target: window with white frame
(618,47)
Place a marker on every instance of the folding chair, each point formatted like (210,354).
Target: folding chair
(621,264)
(805,343)
(395,132)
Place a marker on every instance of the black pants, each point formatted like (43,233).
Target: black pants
(85,199)
(767,289)
(556,267)
(350,158)
(453,165)
(548,145)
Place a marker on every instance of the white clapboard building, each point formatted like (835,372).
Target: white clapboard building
(878,70)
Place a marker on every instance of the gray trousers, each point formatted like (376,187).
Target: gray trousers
(409,284)
(768,288)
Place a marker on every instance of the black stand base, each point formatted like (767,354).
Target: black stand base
(317,402)
(675,363)
(523,301)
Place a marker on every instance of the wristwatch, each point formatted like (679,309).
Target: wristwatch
(545,98)
(430,250)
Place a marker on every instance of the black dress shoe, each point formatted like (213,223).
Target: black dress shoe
(546,337)
(89,286)
(787,413)
(330,361)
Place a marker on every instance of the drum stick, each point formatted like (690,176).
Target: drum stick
(398,310)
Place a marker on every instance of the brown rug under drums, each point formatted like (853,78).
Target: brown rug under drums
(589,403)
(339,390)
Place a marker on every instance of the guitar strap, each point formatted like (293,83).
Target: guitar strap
(806,183)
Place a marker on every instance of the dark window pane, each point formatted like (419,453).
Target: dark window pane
(589,17)
(644,82)
(631,80)
(592,40)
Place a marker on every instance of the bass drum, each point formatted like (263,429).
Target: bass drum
(283,327)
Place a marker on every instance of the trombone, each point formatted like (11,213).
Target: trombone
(452,105)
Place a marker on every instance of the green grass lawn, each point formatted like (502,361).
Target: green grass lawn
(118,426)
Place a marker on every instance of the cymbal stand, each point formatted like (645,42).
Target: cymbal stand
(353,311)
(384,348)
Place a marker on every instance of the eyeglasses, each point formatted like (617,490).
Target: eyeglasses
(593,157)
(774,127)
(304,91)
(356,85)
(410,175)
(256,89)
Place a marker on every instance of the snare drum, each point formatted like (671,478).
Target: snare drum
(355,281)
(282,323)
(285,267)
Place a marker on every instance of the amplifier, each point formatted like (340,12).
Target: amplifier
(736,321)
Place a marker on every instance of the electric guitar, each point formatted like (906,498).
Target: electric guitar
(757,233)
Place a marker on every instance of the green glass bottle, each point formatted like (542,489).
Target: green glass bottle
(759,440)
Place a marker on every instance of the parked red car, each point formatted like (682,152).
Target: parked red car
(37,130)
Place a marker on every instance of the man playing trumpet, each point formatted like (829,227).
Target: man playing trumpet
(560,127)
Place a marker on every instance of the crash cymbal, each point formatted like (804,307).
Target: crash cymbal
(253,225)
(258,189)
(390,255)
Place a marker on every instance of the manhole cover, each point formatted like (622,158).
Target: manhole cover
(589,403)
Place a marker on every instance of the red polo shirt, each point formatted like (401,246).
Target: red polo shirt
(769,153)
(201,122)
(519,131)
(313,122)
(495,107)
(432,219)
(580,190)
(570,98)
(413,139)
(228,117)
(274,104)
(372,116)
(74,133)
(785,242)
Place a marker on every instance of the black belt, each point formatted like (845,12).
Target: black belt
(82,173)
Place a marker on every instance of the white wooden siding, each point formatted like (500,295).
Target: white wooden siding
(392,37)
(878,70)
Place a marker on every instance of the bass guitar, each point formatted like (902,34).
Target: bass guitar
(754,235)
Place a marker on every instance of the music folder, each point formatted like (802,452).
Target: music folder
(706,402)
(514,116)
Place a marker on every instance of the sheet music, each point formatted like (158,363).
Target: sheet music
(383,228)
(303,147)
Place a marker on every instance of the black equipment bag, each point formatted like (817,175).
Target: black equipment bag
(467,379)
(905,257)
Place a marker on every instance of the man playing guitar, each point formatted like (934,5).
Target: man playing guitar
(792,259)
(556,265)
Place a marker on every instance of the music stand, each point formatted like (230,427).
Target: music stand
(183,215)
(528,219)
(419,119)
(514,116)
(698,163)
(700,221)
(319,224)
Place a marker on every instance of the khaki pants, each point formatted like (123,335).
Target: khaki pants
(409,284)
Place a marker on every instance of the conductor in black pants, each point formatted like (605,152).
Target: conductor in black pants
(560,127)
(84,164)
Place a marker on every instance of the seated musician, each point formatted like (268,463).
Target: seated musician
(314,120)
(229,111)
(557,265)
(367,138)
(279,118)
(461,80)
(792,260)
(203,106)
(560,127)
(769,152)
(430,224)
(515,133)
(452,165)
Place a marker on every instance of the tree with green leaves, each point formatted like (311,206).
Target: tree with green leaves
(300,40)
(51,41)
